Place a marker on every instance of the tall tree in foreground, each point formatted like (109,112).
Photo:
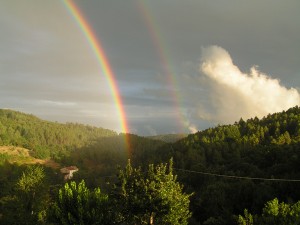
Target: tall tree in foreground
(151,197)
(76,204)
(23,197)
(31,196)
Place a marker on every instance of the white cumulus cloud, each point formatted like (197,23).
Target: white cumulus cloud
(235,94)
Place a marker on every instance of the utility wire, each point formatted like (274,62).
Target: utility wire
(238,177)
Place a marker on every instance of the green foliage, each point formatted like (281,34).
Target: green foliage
(169,138)
(31,194)
(274,213)
(267,148)
(278,129)
(246,220)
(138,198)
(96,151)
(101,158)
(27,203)
(46,138)
(30,180)
(4,157)
(151,197)
(76,204)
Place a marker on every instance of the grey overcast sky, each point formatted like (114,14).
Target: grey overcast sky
(181,66)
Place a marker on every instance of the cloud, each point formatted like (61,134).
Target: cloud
(56,103)
(193,129)
(235,94)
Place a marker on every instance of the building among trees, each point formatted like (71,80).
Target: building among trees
(68,171)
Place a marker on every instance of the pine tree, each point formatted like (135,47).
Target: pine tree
(151,197)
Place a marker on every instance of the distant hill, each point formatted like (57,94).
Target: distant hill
(90,148)
(274,129)
(225,143)
(45,139)
(169,138)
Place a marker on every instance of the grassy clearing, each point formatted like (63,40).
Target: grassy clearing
(20,155)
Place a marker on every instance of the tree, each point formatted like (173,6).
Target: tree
(30,195)
(151,197)
(274,213)
(247,220)
(76,204)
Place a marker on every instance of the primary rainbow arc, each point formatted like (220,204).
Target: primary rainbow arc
(102,59)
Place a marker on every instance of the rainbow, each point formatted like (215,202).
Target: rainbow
(184,123)
(102,59)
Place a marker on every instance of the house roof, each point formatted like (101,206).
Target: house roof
(68,169)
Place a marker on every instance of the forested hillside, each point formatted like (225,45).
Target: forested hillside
(96,151)
(169,138)
(233,174)
(46,139)
(256,148)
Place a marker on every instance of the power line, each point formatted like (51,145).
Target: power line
(238,177)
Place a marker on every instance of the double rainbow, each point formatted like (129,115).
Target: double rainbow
(95,44)
(102,59)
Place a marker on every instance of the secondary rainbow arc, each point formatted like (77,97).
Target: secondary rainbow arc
(164,57)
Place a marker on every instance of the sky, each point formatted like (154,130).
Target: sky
(180,66)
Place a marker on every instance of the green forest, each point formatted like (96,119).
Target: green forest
(246,173)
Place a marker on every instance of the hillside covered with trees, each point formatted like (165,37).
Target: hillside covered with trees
(267,148)
(243,173)
(46,139)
